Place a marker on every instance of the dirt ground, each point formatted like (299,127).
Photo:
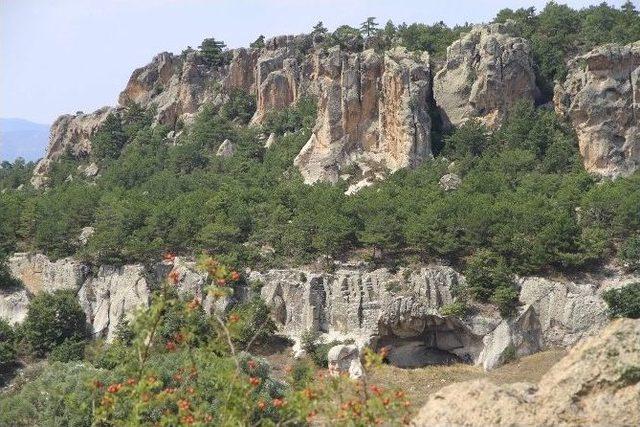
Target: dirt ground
(419,383)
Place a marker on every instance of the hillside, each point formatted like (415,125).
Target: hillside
(406,195)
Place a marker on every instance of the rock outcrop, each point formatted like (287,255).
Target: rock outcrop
(597,383)
(72,134)
(486,71)
(345,359)
(601,99)
(226,149)
(39,274)
(403,311)
(372,108)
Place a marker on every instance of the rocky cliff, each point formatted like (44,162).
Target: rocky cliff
(485,73)
(597,383)
(601,99)
(405,310)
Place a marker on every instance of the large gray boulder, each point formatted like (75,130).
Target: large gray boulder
(601,99)
(486,71)
(39,274)
(14,305)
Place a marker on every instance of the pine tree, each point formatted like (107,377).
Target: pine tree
(368,27)
(211,50)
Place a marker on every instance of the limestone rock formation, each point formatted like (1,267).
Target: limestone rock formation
(345,359)
(487,71)
(601,99)
(450,181)
(270,141)
(112,296)
(371,109)
(39,274)
(226,149)
(14,304)
(69,133)
(597,383)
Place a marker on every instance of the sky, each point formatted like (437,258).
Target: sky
(63,56)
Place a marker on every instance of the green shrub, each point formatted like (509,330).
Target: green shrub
(8,349)
(457,308)
(630,253)
(624,302)
(52,319)
(254,324)
(69,350)
(486,272)
(506,298)
(60,396)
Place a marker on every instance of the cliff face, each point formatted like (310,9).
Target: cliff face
(403,310)
(486,72)
(601,99)
(373,108)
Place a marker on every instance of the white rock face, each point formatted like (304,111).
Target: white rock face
(91,170)
(345,359)
(14,305)
(39,274)
(601,99)
(226,149)
(487,71)
(270,141)
(115,294)
(85,234)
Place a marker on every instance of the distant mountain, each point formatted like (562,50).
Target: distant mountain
(22,138)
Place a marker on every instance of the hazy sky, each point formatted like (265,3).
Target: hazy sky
(61,56)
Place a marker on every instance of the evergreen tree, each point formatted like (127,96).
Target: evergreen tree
(211,50)
(369,27)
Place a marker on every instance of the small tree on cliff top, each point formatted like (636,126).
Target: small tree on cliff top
(369,27)
(211,50)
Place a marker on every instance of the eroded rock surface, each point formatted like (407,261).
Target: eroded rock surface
(597,383)
(69,133)
(601,99)
(487,71)
(39,274)
(372,109)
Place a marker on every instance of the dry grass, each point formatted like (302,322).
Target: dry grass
(420,383)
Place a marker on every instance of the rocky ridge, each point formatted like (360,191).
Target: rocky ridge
(403,310)
(597,383)
(486,71)
(601,99)
(374,108)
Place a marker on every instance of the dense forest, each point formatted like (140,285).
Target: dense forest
(525,205)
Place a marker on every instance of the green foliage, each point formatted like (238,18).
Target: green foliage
(254,324)
(369,27)
(51,320)
(69,350)
(457,308)
(558,32)
(109,139)
(12,175)
(291,119)
(60,396)
(624,302)
(485,273)
(8,349)
(240,106)
(258,43)
(431,38)
(629,253)
(212,51)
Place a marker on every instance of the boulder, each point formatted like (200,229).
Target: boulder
(85,235)
(91,170)
(486,71)
(450,182)
(345,359)
(600,98)
(597,383)
(14,305)
(226,149)
(270,141)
